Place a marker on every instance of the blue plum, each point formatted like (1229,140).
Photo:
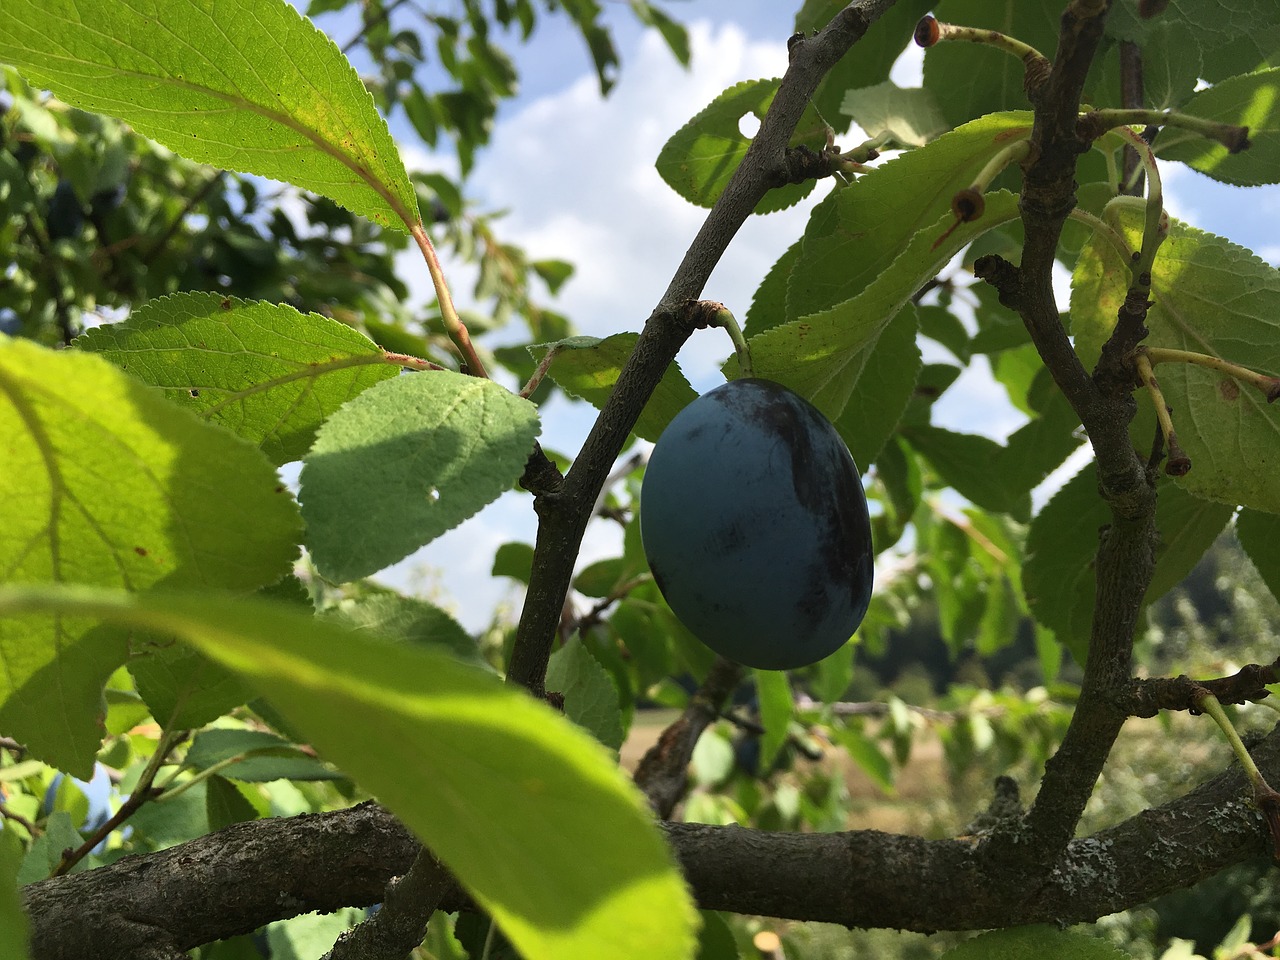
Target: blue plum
(755,525)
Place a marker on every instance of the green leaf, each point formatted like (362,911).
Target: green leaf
(246,85)
(701,156)
(588,367)
(858,232)
(1040,942)
(1251,101)
(868,756)
(776,710)
(224,804)
(406,461)
(822,356)
(973,79)
(15,930)
(46,852)
(879,48)
(967,462)
(715,940)
(590,698)
(110,484)
(502,788)
(1210,296)
(1058,572)
(1171,66)
(911,116)
(1001,478)
(882,393)
(1259,535)
(769,303)
(182,689)
(673,33)
(256,757)
(265,371)
(514,560)
(1230,39)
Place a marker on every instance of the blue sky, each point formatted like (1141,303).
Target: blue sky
(626,230)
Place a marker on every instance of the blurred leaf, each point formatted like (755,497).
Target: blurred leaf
(776,710)
(14,927)
(1041,942)
(269,94)
(673,33)
(404,462)
(514,560)
(1259,535)
(46,851)
(475,768)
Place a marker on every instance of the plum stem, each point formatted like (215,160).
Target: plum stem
(725,318)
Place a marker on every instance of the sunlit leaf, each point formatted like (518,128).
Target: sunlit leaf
(107,483)
(265,371)
(246,85)
(1213,297)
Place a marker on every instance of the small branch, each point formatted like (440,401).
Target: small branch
(663,773)
(1147,697)
(1132,95)
(144,791)
(19,819)
(394,931)
(1097,122)
(1036,65)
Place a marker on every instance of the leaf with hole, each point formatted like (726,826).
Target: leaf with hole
(701,156)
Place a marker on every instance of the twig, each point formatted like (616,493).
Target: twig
(393,932)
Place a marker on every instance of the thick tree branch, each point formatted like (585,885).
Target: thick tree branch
(249,874)
(563,515)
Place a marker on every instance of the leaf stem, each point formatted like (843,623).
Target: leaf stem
(1095,123)
(1265,798)
(1104,230)
(1270,386)
(539,373)
(1178,463)
(725,318)
(930,31)
(1156,227)
(453,325)
(142,792)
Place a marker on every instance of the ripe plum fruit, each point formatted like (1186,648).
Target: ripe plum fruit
(755,525)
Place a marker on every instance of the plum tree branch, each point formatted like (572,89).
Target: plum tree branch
(1126,551)
(563,515)
(249,874)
